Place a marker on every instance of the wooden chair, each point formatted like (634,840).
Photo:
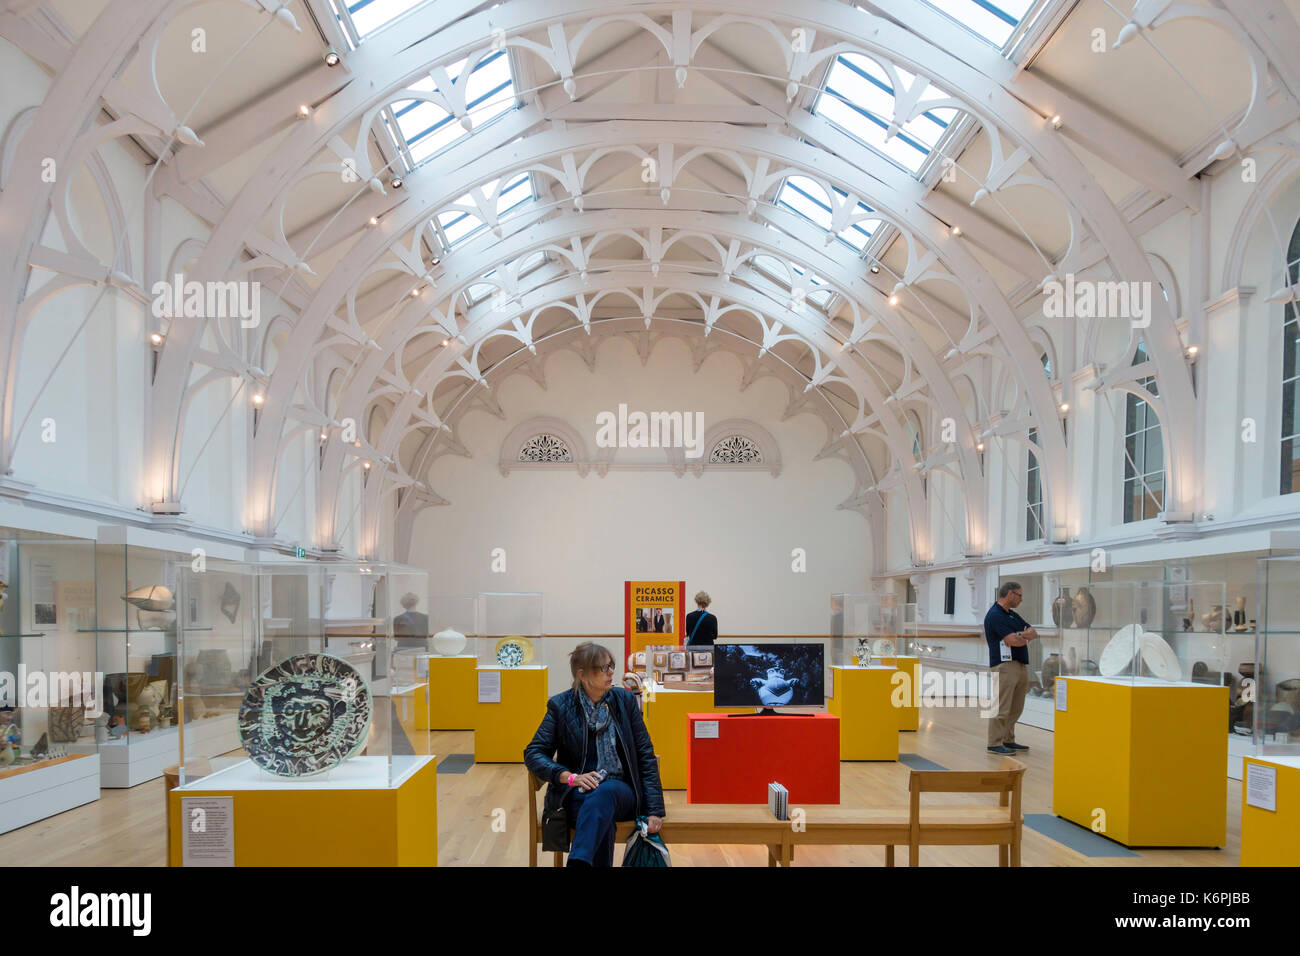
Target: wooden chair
(535,822)
(968,826)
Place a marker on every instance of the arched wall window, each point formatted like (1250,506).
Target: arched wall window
(1033,491)
(1291,374)
(1144,454)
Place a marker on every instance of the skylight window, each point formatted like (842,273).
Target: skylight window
(995,22)
(424,129)
(858,98)
(805,197)
(456,225)
(368,16)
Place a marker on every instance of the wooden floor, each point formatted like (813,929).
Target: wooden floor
(126,828)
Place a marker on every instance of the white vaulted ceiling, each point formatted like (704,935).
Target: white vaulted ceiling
(663,163)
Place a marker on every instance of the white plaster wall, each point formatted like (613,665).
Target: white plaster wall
(578,539)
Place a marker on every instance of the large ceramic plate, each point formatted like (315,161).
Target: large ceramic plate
(1117,656)
(514,651)
(305,715)
(1160,658)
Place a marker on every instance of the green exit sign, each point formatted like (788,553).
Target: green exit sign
(300,552)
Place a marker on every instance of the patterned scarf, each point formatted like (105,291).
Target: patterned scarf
(601,723)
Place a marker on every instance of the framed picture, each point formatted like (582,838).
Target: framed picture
(701,658)
(677,660)
(661,659)
(671,678)
(639,660)
(659,675)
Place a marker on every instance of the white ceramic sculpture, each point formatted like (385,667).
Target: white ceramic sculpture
(449,643)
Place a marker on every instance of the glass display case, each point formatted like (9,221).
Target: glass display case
(135,636)
(50,705)
(1267,699)
(508,629)
(293,657)
(866,628)
(1144,631)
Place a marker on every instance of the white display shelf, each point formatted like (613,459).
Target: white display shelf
(44,791)
(358,773)
(1039,712)
(1239,747)
(133,759)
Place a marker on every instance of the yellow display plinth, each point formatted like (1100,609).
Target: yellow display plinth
(450,699)
(863,701)
(665,720)
(502,731)
(1272,837)
(909,716)
(281,822)
(1144,763)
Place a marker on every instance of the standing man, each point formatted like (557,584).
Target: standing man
(1008,635)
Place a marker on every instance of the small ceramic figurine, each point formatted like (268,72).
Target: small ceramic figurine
(1239,615)
(863,652)
(143,724)
(11,738)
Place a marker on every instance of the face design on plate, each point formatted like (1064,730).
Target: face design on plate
(304,717)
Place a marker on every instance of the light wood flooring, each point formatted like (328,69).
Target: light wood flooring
(482,814)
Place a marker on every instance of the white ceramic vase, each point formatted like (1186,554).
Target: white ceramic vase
(449,643)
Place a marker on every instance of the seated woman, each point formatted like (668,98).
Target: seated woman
(594,751)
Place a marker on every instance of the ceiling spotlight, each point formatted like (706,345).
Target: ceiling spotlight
(1057,121)
(446,342)
(415,293)
(155,339)
(1193,351)
(979,447)
(365,465)
(875,270)
(304,111)
(1065,407)
(893,300)
(332,59)
(435,261)
(258,399)
(374,220)
(956,230)
(324,436)
(396,182)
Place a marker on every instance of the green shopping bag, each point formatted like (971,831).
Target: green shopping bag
(644,848)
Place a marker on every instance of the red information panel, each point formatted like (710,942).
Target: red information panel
(733,757)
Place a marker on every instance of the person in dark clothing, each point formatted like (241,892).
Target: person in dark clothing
(411,628)
(1008,635)
(594,750)
(701,626)
(659,621)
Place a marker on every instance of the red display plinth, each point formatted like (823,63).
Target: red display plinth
(802,752)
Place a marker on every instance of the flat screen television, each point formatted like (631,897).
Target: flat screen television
(769,675)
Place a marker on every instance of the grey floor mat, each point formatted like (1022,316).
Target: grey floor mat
(1077,838)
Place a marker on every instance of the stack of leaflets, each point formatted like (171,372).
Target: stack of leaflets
(778,801)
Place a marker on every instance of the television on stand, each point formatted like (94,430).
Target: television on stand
(768,676)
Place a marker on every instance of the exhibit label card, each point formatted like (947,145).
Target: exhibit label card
(208,831)
(489,687)
(1060,693)
(706,729)
(1261,786)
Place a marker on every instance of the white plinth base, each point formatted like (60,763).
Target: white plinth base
(357,773)
(45,791)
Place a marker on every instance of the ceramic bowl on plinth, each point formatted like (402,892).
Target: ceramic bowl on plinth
(449,642)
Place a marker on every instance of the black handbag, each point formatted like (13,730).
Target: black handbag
(555,829)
